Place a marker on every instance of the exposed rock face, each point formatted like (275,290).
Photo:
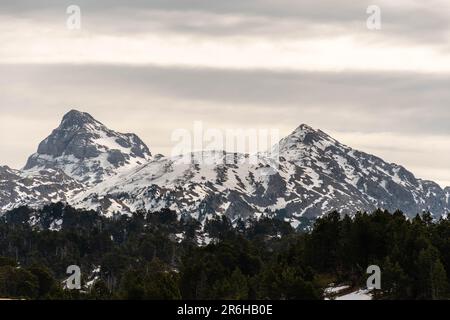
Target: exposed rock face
(90,166)
(447,196)
(35,189)
(87,150)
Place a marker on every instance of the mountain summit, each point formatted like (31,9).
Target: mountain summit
(87,150)
(303,140)
(75,118)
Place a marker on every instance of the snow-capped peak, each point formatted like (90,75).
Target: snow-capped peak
(305,138)
(75,119)
(87,150)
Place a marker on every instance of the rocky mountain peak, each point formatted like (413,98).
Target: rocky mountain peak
(87,150)
(303,137)
(77,119)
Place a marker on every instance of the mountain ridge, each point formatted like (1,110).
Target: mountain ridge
(96,168)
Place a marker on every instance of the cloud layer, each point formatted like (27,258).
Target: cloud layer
(155,66)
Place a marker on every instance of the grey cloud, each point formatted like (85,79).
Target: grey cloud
(281,8)
(423,24)
(404,102)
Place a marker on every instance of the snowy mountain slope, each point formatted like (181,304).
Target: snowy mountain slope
(447,196)
(316,174)
(111,172)
(361,175)
(88,151)
(36,188)
(197,189)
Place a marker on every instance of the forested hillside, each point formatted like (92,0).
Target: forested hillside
(156,256)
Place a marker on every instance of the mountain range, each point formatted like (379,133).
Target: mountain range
(87,165)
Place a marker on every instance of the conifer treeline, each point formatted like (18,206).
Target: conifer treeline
(143,257)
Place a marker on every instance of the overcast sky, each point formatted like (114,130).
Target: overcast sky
(154,66)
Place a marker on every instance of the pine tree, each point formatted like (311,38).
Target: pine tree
(439,284)
(394,280)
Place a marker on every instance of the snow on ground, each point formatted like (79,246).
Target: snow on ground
(95,275)
(362,294)
(179,237)
(56,225)
(335,290)
(344,292)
